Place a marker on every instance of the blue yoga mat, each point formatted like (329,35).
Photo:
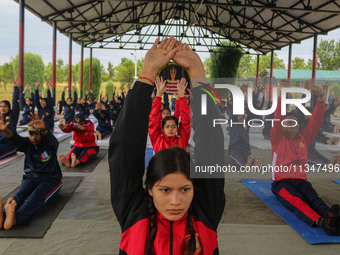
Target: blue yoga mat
(148,156)
(336,181)
(262,189)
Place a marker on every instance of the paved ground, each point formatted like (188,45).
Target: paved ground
(87,224)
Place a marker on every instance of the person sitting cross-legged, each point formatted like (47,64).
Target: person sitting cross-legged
(41,182)
(84,147)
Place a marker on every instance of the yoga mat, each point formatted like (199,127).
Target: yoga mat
(321,146)
(88,167)
(105,143)
(41,222)
(262,189)
(10,158)
(336,181)
(148,156)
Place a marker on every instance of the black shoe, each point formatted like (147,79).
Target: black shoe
(328,225)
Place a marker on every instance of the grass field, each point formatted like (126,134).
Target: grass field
(7,94)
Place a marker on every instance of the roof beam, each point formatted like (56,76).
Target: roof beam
(204,26)
(263,6)
(60,12)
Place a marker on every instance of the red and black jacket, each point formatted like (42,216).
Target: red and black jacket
(290,155)
(161,141)
(82,138)
(130,200)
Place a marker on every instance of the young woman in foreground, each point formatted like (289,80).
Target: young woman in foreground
(173,214)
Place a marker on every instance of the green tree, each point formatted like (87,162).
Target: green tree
(265,63)
(298,63)
(58,71)
(245,70)
(111,71)
(76,73)
(48,72)
(33,69)
(65,73)
(125,72)
(109,90)
(105,75)
(224,63)
(206,65)
(7,73)
(309,64)
(328,55)
(96,76)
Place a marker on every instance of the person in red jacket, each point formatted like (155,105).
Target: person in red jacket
(174,214)
(84,147)
(174,135)
(289,153)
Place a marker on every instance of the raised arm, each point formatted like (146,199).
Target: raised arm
(15,108)
(75,96)
(155,117)
(209,197)
(209,151)
(155,120)
(128,142)
(36,96)
(49,97)
(63,102)
(184,111)
(315,122)
(276,132)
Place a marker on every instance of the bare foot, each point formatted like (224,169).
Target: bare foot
(74,160)
(64,160)
(336,141)
(1,213)
(10,220)
(99,135)
(258,161)
(330,141)
(249,161)
(337,160)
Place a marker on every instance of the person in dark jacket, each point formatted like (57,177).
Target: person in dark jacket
(174,214)
(83,108)
(45,107)
(104,127)
(113,110)
(69,105)
(11,116)
(41,182)
(28,107)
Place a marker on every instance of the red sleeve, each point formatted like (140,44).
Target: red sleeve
(177,113)
(314,124)
(276,132)
(184,126)
(155,119)
(68,128)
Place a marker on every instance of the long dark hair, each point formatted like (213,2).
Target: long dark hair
(165,162)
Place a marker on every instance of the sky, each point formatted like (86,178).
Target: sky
(38,40)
